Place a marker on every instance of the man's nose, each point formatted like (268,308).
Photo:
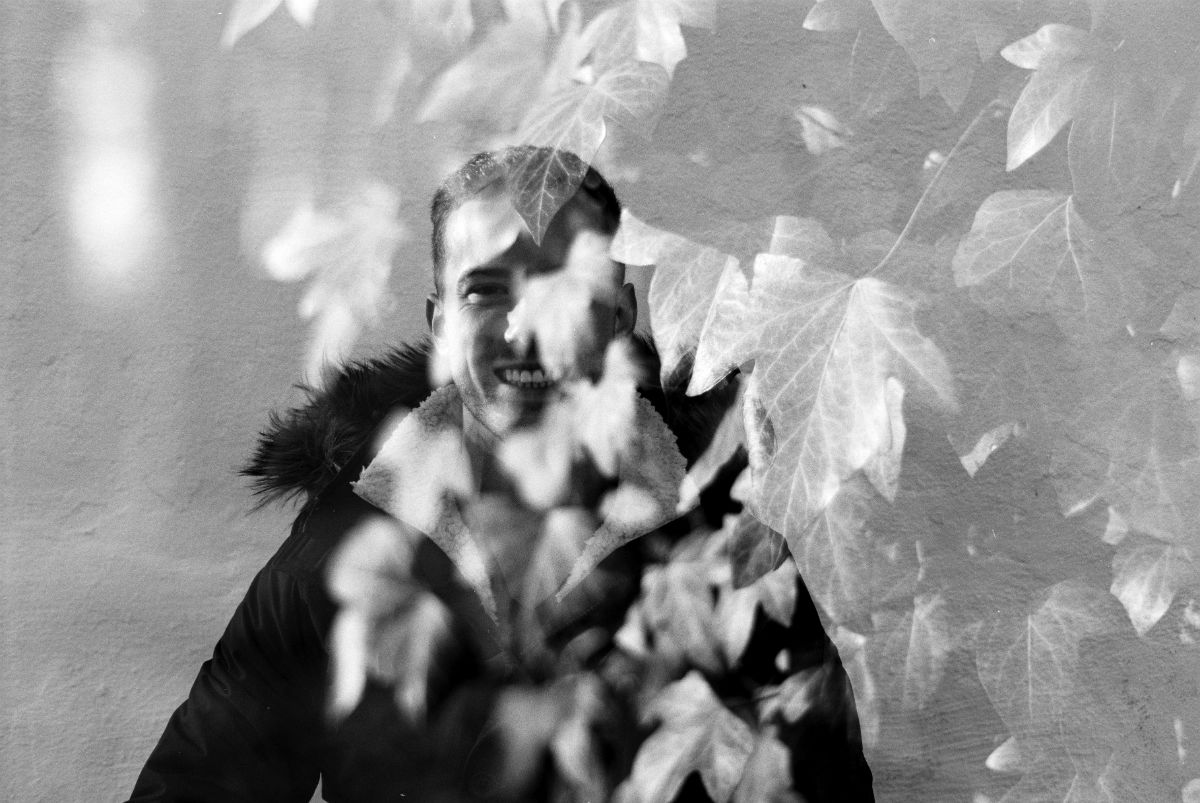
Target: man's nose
(518,334)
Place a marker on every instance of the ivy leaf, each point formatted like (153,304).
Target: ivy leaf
(1029,663)
(698,734)
(880,75)
(819,129)
(1031,251)
(659,38)
(1112,140)
(691,292)
(574,120)
(754,550)
(727,441)
(774,592)
(302,11)
(679,610)
(1059,54)
(1051,45)
(767,777)
(494,82)
(1130,442)
(802,238)
(451,20)
(1188,147)
(941,39)
(387,627)
(1007,757)
(838,15)
(915,648)
(574,746)
(246,15)
(1007,371)
(796,696)
(1147,574)
(833,357)
(525,720)
(849,557)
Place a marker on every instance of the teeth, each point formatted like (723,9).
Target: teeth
(532,379)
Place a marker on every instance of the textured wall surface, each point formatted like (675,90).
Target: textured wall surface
(126,537)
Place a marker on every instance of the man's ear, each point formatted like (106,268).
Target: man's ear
(625,317)
(434,314)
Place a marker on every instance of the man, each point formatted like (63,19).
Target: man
(514,321)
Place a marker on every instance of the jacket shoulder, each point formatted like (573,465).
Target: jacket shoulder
(302,449)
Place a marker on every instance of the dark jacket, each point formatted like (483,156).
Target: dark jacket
(254,726)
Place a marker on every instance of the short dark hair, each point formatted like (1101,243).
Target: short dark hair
(489,167)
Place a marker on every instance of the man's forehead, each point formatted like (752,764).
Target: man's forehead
(480,229)
(484,227)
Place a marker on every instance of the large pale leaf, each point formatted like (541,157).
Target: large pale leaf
(1049,101)
(849,557)
(1147,574)
(1050,45)
(834,355)
(1029,662)
(698,734)
(574,120)
(732,327)
(1031,251)
(1062,59)
(1112,140)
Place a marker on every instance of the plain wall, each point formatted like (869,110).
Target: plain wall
(126,536)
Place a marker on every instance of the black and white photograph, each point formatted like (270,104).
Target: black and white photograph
(588,401)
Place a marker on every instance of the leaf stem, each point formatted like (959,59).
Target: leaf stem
(966,134)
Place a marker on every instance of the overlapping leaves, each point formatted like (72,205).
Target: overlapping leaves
(698,734)
(1032,667)
(946,40)
(1031,251)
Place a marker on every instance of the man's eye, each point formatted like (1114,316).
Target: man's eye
(486,293)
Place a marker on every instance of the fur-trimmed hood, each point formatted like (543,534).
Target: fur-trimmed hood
(304,448)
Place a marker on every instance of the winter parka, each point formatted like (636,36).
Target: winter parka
(255,726)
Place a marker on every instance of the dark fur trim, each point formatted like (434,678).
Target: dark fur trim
(303,449)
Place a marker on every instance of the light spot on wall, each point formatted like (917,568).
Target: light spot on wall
(105,93)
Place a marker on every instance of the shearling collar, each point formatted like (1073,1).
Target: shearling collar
(303,449)
(423,463)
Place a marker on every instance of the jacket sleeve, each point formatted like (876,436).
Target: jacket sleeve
(251,726)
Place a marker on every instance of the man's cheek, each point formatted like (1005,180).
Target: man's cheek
(450,354)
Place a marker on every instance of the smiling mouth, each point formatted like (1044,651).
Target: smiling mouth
(526,377)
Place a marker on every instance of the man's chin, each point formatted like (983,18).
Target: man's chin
(511,407)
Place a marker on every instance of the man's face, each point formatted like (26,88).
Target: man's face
(515,318)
